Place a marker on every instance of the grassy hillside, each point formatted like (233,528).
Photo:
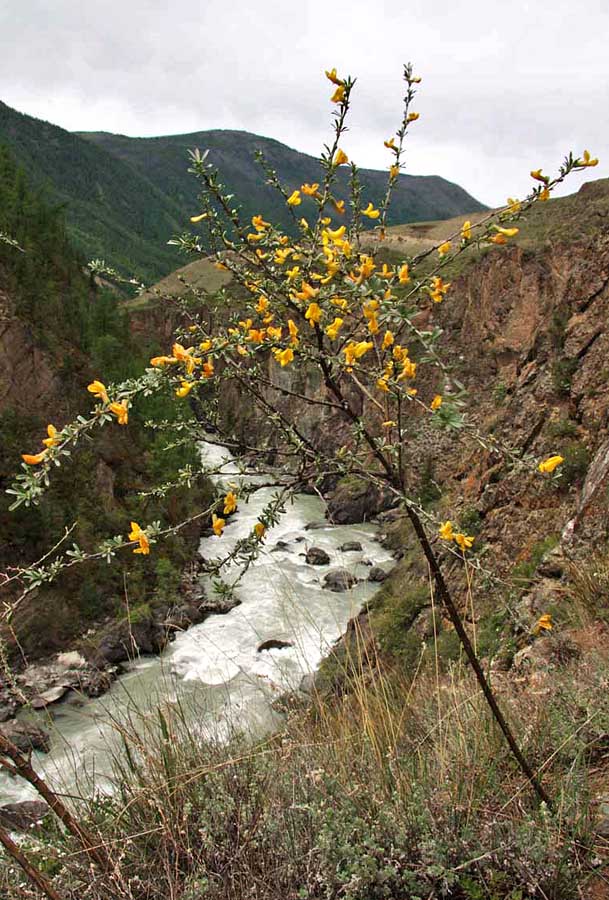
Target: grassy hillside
(112,210)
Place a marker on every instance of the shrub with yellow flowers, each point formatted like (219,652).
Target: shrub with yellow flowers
(317,302)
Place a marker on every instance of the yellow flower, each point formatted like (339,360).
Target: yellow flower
(339,206)
(412,117)
(349,352)
(306,292)
(313,314)
(464,541)
(444,248)
(551,463)
(208,369)
(390,424)
(205,346)
(333,329)
(439,287)
(185,356)
(544,623)
(162,360)
(514,205)
(195,219)
(508,232)
(466,231)
(339,94)
(282,254)
(333,77)
(386,271)
(120,410)
(291,274)
(50,440)
(259,530)
(394,171)
(262,305)
(221,266)
(371,212)
(498,239)
(436,403)
(136,534)
(33,460)
(446,531)
(404,274)
(340,302)
(390,143)
(387,340)
(536,174)
(310,190)
(586,161)
(284,357)
(256,335)
(293,329)
(544,194)
(362,347)
(217,524)
(254,236)
(335,235)
(294,199)
(230,503)
(409,370)
(259,223)
(382,385)
(185,388)
(98,390)
(340,158)
(274,333)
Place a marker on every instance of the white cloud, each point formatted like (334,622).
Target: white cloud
(506,86)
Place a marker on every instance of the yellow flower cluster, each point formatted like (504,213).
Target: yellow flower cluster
(463,541)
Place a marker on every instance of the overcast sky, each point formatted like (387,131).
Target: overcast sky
(507,86)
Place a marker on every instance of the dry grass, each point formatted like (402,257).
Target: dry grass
(396,789)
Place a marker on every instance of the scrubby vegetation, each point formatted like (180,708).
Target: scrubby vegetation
(80,329)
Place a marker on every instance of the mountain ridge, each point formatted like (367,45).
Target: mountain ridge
(126,197)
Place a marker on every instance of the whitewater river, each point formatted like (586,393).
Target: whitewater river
(215,668)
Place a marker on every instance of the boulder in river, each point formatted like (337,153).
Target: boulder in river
(377,574)
(26,737)
(339,580)
(280,545)
(52,695)
(354,500)
(23,815)
(273,644)
(350,547)
(317,557)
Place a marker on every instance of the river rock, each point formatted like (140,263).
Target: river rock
(280,545)
(307,683)
(377,574)
(317,557)
(273,644)
(125,640)
(315,526)
(24,815)
(350,547)
(26,737)
(339,580)
(51,696)
(354,500)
